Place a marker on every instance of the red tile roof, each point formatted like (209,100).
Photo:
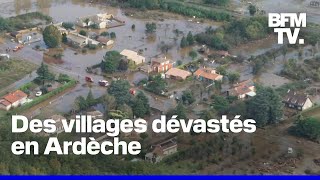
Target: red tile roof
(204,72)
(5,102)
(15,96)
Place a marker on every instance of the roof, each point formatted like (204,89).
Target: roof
(103,40)
(95,113)
(207,73)
(294,98)
(15,96)
(5,102)
(159,148)
(178,73)
(132,55)
(160,60)
(77,38)
(243,87)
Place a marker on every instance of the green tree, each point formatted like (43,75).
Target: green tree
(120,90)
(127,110)
(222,70)
(90,99)
(83,32)
(233,77)
(207,114)
(180,111)
(156,84)
(111,61)
(252,9)
(141,105)
(151,27)
(193,54)
(307,127)
(109,102)
(81,103)
(187,97)
(52,36)
(220,104)
(184,42)
(217,2)
(44,75)
(190,38)
(113,35)
(266,107)
(123,65)
(64,38)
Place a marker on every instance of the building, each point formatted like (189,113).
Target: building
(133,56)
(105,41)
(79,40)
(297,101)
(59,126)
(101,20)
(208,75)
(177,74)
(159,65)
(242,89)
(13,99)
(162,150)
(95,114)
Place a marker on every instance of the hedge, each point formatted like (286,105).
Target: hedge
(40,99)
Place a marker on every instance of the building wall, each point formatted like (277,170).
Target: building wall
(307,104)
(7,108)
(170,150)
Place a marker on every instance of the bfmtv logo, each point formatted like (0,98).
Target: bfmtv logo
(284,22)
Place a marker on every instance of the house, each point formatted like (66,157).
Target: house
(178,74)
(105,41)
(133,56)
(59,126)
(297,101)
(101,20)
(79,40)
(159,65)
(242,89)
(208,75)
(95,114)
(162,150)
(13,99)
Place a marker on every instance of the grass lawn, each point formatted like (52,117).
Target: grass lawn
(14,70)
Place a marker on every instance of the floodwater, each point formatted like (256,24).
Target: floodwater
(74,64)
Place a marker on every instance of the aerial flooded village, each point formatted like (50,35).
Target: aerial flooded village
(197,59)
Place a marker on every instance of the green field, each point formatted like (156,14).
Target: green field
(14,70)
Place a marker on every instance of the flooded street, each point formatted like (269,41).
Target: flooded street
(74,63)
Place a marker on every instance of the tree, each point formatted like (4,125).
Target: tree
(180,111)
(220,104)
(90,99)
(151,27)
(111,61)
(64,38)
(123,65)
(52,36)
(233,77)
(83,32)
(63,78)
(184,42)
(307,127)
(252,9)
(81,103)
(68,25)
(193,54)
(113,35)
(207,114)
(217,2)
(120,90)
(44,75)
(156,84)
(127,110)
(190,38)
(222,70)
(109,102)
(187,97)
(266,107)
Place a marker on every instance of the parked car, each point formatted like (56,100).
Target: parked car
(132,91)
(89,79)
(39,93)
(103,83)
